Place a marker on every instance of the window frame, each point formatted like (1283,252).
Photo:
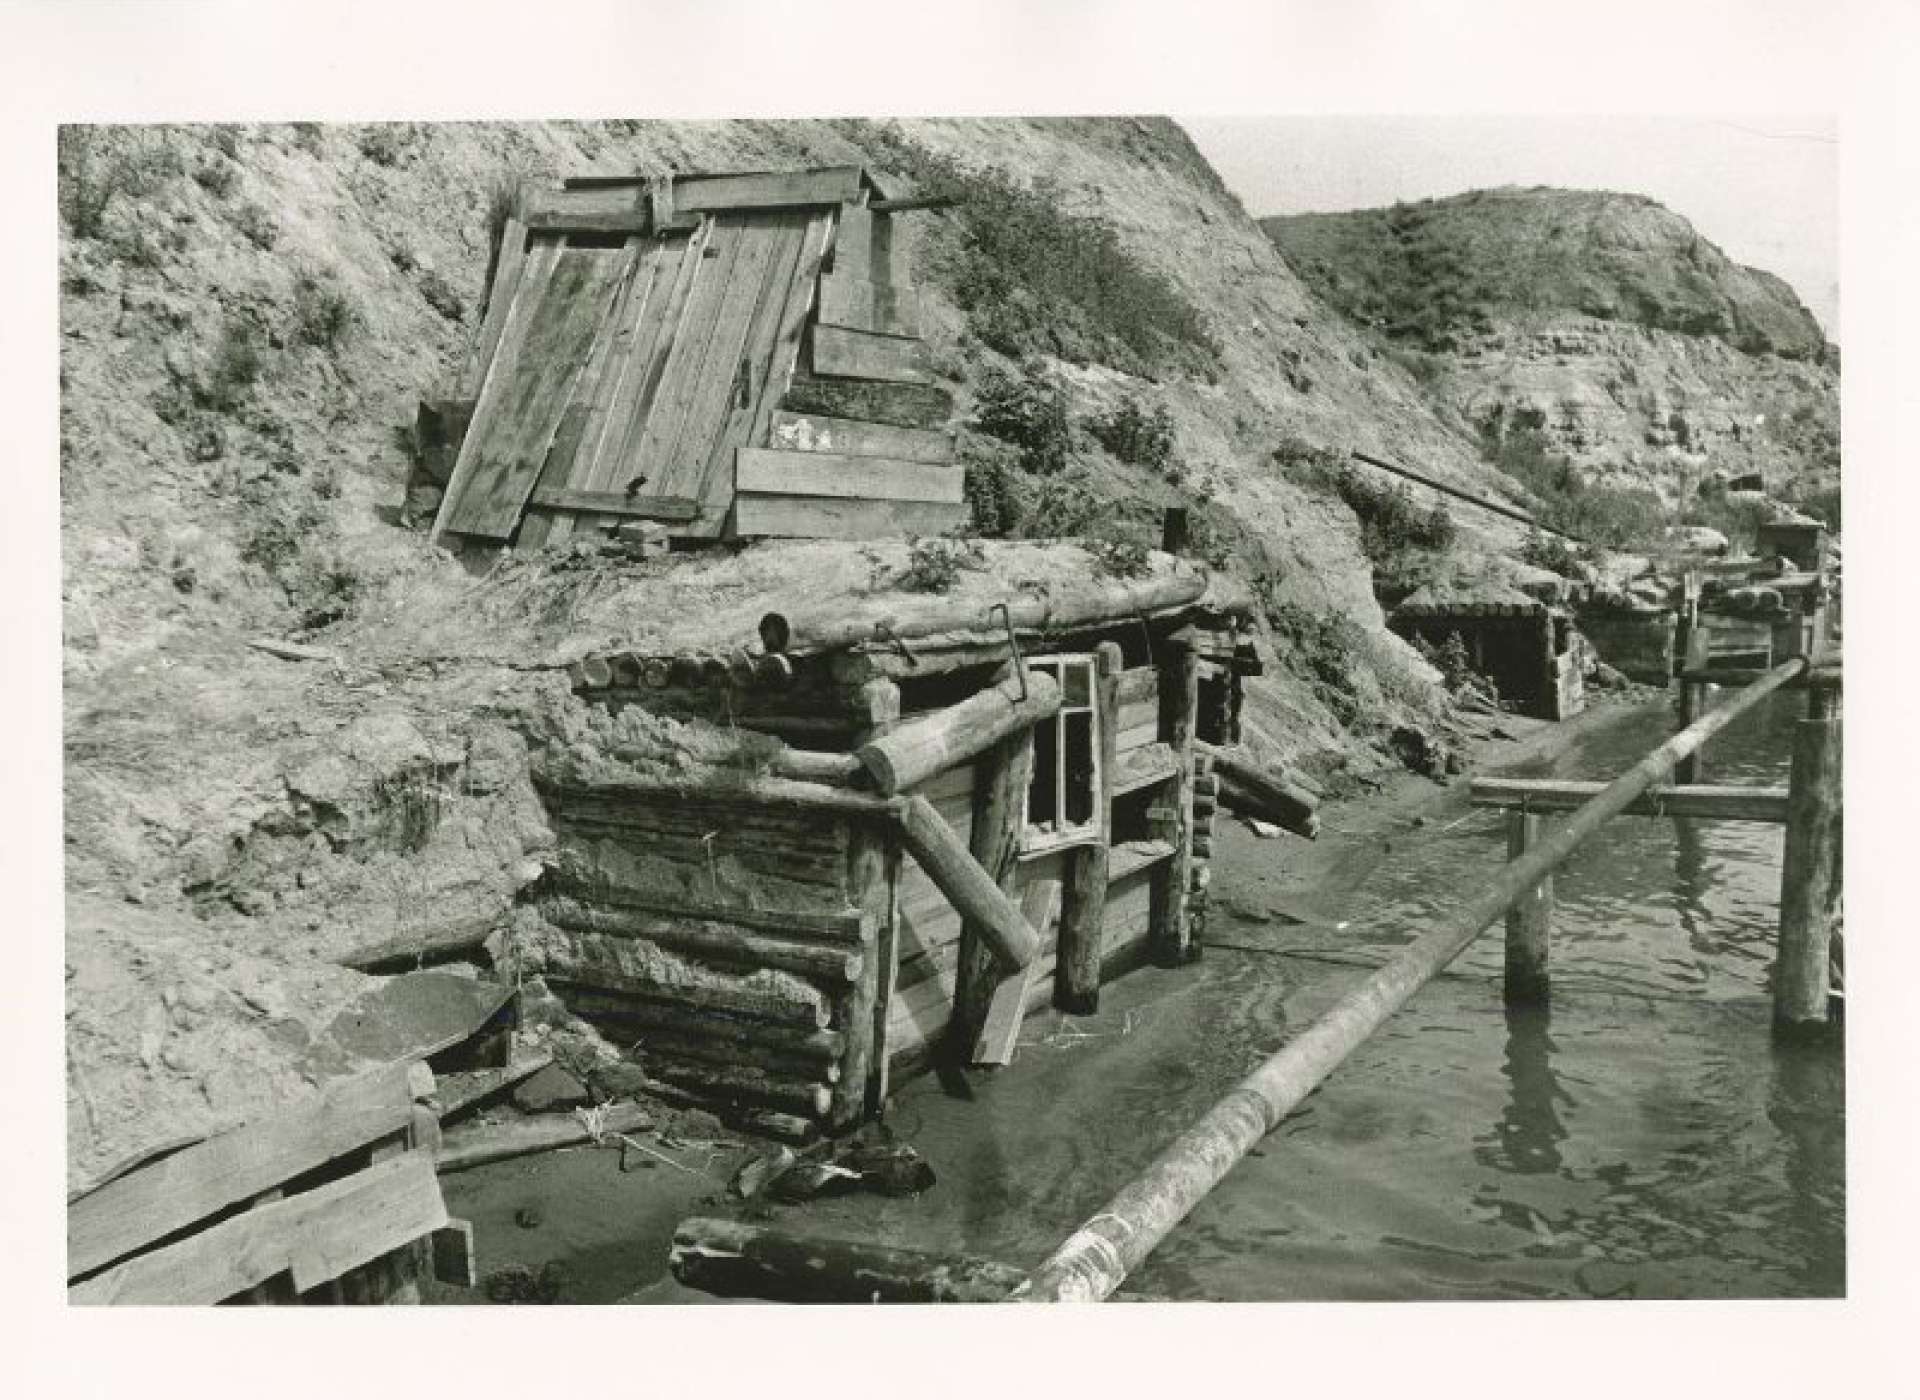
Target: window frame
(1033,840)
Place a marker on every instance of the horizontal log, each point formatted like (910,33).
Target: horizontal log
(816,766)
(424,943)
(849,927)
(1727,803)
(707,938)
(728,790)
(477,1144)
(948,863)
(795,473)
(731,1259)
(1251,790)
(918,748)
(1061,609)
(727,1055)
(578,967)
(740,1084)
(632,222)
(686,1024)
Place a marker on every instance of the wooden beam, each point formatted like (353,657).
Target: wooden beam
(869,850)
(845,354)
(1254,791)
(712,940)
(817,432)
(317,1234)
(1170,935)
(674,509)
(918,748)
(732,1259)
(202,1180)
(970,889)
(1007,1009)
(707,193)
(824,517)
(766,471)
(561,221)
(476,1144)
(1724,803)
(1001,779)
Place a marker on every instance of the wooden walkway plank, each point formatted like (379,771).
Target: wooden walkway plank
(815,432)
(765,471)
(318,1235)
(200,1181)
(844,354)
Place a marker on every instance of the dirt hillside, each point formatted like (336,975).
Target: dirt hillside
(1594,326)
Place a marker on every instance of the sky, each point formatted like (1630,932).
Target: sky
(1764,188)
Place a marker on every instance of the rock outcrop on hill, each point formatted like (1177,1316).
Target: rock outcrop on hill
(1603,326)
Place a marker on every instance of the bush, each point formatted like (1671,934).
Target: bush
(236,367)
(995,492)
(387,143)
(1134,433)
(256,225)
(1456,671)
(441,296)
(1328,648)
(1392,525)
(1118,552)
(935,565)
(1550,552)
(323,313)
(1027,410)
(216,177)
(1035,279)
(1612,517)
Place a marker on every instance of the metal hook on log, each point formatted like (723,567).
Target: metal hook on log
(1013,645)
(886,635)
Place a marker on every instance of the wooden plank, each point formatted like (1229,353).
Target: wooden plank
(766,190)
(905,405)
(1145,766)
(814,432)
(672,267)
(633,222)
(686,355)
(879,308)
(584,201)
(318,1234)
(751,389)
(820,517)
(514,428)
(1140,685)
(863,246)
(616,503)
(207,1178)
(1721,802)
(506,282)
(477,1143)
(718,385)
(453,1255)
(765,471)
(785,352)
(1129,858)
(844,354)
(1008,1005)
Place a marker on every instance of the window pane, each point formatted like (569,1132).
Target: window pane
(1079,768)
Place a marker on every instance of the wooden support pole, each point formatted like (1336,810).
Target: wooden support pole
(968,888)
(1529,922)
(1083,909)
(1169,938)
(1693,700)
(1001,778)
(916,749)
(736,1260)
(1809,868)
(1097,1257)
(872,892)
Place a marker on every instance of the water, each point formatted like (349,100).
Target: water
(1643,1138)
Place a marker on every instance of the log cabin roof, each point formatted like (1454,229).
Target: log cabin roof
(1481,598)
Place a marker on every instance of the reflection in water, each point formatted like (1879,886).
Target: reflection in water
(1691,886)
(1807,1104)
(1528,1136)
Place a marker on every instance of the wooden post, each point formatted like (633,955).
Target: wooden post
(968,888)
(1168,937)
(914,750)
(1083,912)
(1001,777)
(1693,696)
(870,891)
(1809,868)
(1529,921)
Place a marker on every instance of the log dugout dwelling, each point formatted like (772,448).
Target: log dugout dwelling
(1530,650)
(982,804)
(699,357)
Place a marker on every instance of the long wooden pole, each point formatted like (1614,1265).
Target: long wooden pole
(1811,863)
(738,1260)
(1095,1260)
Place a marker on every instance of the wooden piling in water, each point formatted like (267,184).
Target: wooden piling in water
(1693,703)
(1529,922)
(1809,868)
(1097,1257)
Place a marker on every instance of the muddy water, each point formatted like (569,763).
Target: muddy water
(1643,1138)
